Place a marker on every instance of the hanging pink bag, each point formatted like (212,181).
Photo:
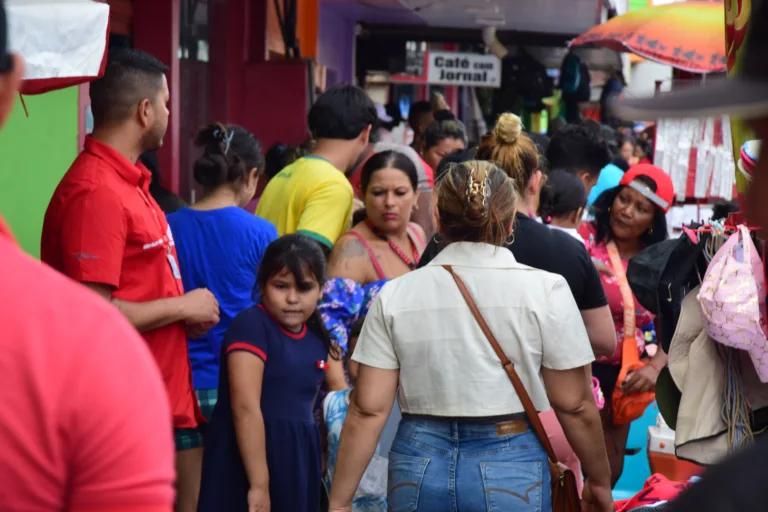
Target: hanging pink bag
(732,298)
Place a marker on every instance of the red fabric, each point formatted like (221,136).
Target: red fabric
(597,250)
(40,86)
(664,187)
(84,420)
(102,226)
(657,489)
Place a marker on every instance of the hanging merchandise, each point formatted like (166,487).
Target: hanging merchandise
(732,298)
(697,154)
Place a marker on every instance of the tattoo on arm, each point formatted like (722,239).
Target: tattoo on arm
(346,258)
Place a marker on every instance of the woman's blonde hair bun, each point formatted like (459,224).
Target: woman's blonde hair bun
(508,128)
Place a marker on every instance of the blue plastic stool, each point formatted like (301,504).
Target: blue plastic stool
(636,467)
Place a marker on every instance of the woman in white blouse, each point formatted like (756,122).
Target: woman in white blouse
(464,443)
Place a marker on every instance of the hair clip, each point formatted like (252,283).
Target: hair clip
(484,188)
(228,141)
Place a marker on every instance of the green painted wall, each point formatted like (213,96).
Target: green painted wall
(36,151)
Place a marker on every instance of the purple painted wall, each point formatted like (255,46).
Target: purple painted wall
(336,38)
(336,44)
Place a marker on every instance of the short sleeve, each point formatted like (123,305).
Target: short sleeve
(120,447)
(375,346)
(326,213)
(93,238)
(565,343)
(248,333)
(593,294)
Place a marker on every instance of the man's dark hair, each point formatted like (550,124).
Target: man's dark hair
(341,113)
(438,131)
(130,76)
(580,147)
(418,109)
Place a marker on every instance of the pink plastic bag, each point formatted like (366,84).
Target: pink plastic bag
(732,298)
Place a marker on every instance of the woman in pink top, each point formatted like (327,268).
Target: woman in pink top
(632,217)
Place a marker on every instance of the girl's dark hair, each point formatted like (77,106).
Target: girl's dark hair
(447,128)
(563,194)
(229,153)
(300,255)
(476,201)
(385,160)
(602,209)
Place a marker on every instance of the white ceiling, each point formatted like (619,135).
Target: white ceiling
(553,16)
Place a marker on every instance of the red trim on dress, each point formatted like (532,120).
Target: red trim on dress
(290,334)
(242,345)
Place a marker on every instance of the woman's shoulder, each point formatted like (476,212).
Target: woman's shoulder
(350,257)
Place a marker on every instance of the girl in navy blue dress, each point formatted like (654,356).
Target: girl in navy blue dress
(263,452)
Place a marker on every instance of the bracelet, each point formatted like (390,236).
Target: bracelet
(658,370)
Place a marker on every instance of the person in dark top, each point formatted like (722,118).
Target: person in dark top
(537,245)
(167,200)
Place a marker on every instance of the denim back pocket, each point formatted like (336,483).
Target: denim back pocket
(513,486)
(406,474)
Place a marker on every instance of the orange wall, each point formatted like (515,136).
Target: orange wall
(307,27)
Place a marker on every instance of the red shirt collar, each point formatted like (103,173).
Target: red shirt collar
(135,174)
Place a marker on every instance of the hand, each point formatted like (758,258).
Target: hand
(258,499)
(641,380)
(596,498)
(200,307)
(195,331)
(489,35)
(603,268)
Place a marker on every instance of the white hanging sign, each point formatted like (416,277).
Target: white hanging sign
(472,69)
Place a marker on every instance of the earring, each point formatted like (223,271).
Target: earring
(415,207)
(511,240)
(650,231)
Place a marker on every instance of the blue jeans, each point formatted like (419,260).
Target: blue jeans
(444,466)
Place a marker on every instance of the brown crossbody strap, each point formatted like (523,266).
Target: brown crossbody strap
(509,367)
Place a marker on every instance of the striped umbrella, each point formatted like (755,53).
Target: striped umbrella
(689,36)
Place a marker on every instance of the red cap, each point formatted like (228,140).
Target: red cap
(665,191)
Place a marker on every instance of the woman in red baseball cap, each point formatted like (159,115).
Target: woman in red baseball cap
(628,218)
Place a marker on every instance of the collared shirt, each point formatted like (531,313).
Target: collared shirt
(310,197)
(102,226)
(421,325)
(79,429)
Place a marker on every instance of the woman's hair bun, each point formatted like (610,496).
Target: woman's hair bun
(213,167)
(508,128)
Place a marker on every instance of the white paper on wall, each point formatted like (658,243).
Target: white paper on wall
(58,38)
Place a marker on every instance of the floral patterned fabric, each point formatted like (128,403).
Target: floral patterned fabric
(335,409)
(342,303)
(643,317)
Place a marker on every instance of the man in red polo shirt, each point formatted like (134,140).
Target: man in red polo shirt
(83,416)
(103,228)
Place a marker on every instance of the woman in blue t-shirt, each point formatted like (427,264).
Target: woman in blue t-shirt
(220,247)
